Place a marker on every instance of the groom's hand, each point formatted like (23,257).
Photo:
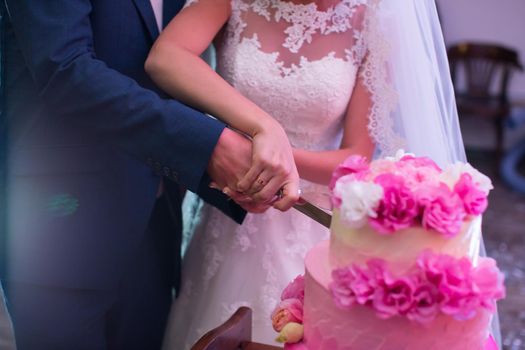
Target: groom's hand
(229,162)
(230,159)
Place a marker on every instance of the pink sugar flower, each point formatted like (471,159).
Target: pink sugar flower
(474,199)
(381,166)
(462,308)
(420,162)
(398,209)
(433,265)
(342,293)
(422,176)
(294,290)
(395,297)
(355,284)
(353,164)
(488,282)
(437,283)
(425,306)
(453,279)
(450,275)
(363,284)
(442,210)
(288,310)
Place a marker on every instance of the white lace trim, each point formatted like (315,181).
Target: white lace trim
(287,71)
(305,19)
(374,73)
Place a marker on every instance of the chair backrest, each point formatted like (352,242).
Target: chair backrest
(483,65)
(231,335)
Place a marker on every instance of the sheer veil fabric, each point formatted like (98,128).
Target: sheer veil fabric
(300,63)
(409,80)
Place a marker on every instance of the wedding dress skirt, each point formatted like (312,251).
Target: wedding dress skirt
(227,266)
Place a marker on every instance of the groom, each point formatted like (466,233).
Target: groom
(93,244)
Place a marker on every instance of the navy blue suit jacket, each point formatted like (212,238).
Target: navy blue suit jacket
(90,136)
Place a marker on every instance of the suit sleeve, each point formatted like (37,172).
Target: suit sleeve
(56,41)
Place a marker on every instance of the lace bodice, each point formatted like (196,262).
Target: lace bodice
(297,62)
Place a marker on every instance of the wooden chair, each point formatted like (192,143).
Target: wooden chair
(485,67)
(234,334)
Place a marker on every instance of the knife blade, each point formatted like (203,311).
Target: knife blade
(313,212)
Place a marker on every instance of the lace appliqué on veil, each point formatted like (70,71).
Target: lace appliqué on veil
(374,73)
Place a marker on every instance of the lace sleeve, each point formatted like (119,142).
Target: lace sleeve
(373,50)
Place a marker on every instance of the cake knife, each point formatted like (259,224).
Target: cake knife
(313,212)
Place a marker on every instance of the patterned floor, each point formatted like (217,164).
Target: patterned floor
(504,231)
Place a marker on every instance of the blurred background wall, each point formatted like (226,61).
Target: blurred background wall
(498,21)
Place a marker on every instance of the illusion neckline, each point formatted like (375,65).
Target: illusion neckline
(312,4)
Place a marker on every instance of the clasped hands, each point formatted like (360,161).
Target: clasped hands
(256,174)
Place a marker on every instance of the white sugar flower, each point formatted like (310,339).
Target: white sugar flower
(453,172)
(399,154)
(358,201)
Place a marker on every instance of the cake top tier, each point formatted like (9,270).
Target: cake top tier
(406,191)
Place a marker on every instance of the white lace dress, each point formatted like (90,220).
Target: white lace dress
(299,64)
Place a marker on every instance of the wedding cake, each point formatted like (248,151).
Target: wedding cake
(401,270)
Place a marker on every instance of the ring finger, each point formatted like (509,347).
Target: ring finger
(262,180)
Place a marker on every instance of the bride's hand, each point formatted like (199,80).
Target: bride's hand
(273,169)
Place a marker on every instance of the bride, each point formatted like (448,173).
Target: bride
(340,77)
(308,81)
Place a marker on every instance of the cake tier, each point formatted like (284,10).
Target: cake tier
(401,248)
(329,328)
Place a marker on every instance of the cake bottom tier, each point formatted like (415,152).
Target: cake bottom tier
(326,327)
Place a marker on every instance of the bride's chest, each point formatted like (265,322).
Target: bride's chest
(298,63)
(320,87)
